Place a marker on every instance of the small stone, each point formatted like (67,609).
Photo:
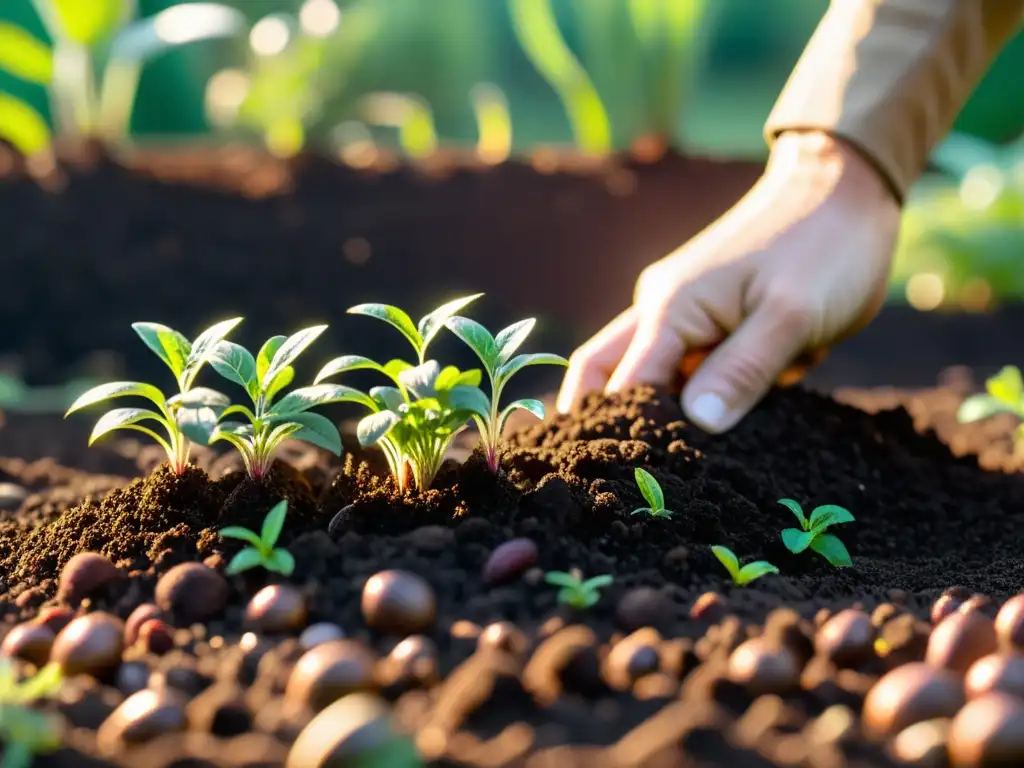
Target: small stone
(328,672)
(431,538)
(764,668)
(897,597)
(55,617)
(644,607)
(988,731)
(961,639)
(220,710)
(11,495)
(132,676)
(29,641)
(141,717)
(137,618)
(976,603)
(90,645)
(319,633)
(85,574)
(275,609)
(412,663)
(509,561)
(884,613)
(1010,623)
(631,658)
(156,637)
(504,636)
(192,592)
(910,694)
(922,744)
(710,607)
(996,672)
(399,603)
(943,606)
(847,639)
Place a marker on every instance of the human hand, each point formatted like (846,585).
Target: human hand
(798,264)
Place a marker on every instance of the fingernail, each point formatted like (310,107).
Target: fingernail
(709,411)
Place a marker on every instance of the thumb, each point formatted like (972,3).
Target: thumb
(741,370)
(652,356)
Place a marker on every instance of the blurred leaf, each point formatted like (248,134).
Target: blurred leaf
(89,21)
(23,127)
(25,56)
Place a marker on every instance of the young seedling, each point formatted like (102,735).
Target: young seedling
(742,576)
(1004,394)
(190,414)
(650,489)
(496,354)
(262,551)
(26,732)
(574,591)
(813,534)
(267,424)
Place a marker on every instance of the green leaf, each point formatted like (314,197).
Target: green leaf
(25,56)
(197,424)
(289,350)
(447,378)
(234,362)
(421,379)
(470,399)
(598,582)
(394,317)
(23,126)
(245,560)
(347,363)
(828,515)
(796,541)
(45,684)
(517,363)
(430,324)
(317,430)
(303,399)
(562,579)
(375,426)
(728,559)
(650,489)
(238,532)
(833,550)
(117,389)
(387,398)
(754,570)
(240,409)
(122,418)
(536,407)
(283,378)
(280,561)
(169,345)
(273,524)
(477,338)
(796,509)
(978,407)
(200,396)
(1007,386)
(642,510)
(511,338)
(266,354)
(202,347)
(90,22)
(241,441)
(393,368)
(279,434)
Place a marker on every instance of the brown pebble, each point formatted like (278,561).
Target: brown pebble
(55,617)
(996,672)
(710,606)
(504,636)
(319,633)
(1010,623)
(910,694)
(988,731)
(884,613)
(29,641)
(83,575)
(156,637)
(141,717)
(961,639)
(329,671)
(976,603)
(923,744)
(275,609)
(90,645)
(847,639)
(763,667)
(350,732)
(11,494)
(631,658)
(943,606)
(137,618)
(509,561)
(823,615)
(413,663)
(644,607)
(192,592)
(399,603)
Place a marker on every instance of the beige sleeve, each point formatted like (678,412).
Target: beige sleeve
(890,76)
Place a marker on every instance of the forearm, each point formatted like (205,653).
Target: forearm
(890,76)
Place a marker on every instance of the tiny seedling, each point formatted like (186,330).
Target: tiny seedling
(496,354)
(262,551)
(190,414)
(574,591)
(742,576)
(267,424)
(813,534)
(1004,394)
(650,489)
(26,732)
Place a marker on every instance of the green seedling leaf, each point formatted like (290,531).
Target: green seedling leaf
(387,398)
(517,363)
(243,534)
(598,582)
(470,399)
(421,379)
(202,347)
(266,355)
(375,426)
(235,363)
(477,338)
(832,549)
(280,561)
(650,489)
(23,126)
(470,378)
(289,350)
(25,56)
(510,339)
(347,363)
(796,541)
(728,559)
(754,570)
(394,368)
(317,430)
(245,560)
(1007,386)
(796,509)
(200,397)
(197,424)
(562,579)
(283,378)
(305,398)
(169,345)
(91,22)
(536,407)
(978,407)
(828,515)
(126,418)
(447,378)
(280,433)
(273,524)
(45,684)
(430,324)
(394,317)
(117,389)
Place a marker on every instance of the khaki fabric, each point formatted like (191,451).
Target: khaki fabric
(890,76)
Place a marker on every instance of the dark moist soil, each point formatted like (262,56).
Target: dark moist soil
(928,518)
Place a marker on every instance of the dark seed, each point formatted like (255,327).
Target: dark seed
(960,640)
(988,731)
(709,607)
(945,605)
(355,730)
(156,637)
(631,658)
(509,561)
(54,617)
(83,575)
(30,641)
(192,592)
(340,519)
(847,639)
(90,645)
(137,618)
(504,636)
(328,672)
(910,694)
(976,603)
(1010,623)
(316,634)
(764,668)
(399,603)
(277,608)
(141,717)
(923,744)
(996,672)
(644,607)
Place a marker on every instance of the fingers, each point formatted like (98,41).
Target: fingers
(591,365)
(653,354)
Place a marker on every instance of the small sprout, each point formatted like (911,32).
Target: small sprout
(575,592)
(25,731)
(261,551)
(813,534)
(650,489)
(188,415)
(497,353)
(1005,394)
(742,576)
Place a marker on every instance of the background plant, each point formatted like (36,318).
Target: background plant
(742,576)
(497,353)
(813,532)
(650,489)
(1004,394)
(24,731)
(575,591)
(262,551)
(190,414)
